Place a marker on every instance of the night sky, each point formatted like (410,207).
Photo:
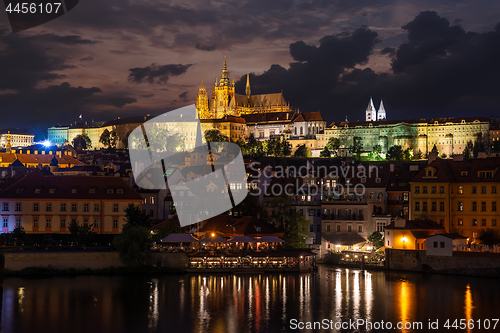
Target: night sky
(117,58)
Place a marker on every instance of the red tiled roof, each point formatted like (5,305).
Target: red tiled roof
(64,186)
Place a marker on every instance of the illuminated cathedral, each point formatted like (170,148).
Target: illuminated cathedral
(225,102)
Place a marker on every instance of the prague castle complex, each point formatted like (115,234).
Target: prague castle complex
(238,116)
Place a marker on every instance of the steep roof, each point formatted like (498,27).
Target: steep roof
(468,170)
(410,121)
(417,225)
(269,117)
(39,185)
(309,116)
(37,159)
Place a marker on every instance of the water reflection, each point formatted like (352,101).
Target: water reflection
(240,303)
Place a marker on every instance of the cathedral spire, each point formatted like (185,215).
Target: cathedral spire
(8,147)
(224,81)
(371,112)
(202,85)
(381,111)
(247,90)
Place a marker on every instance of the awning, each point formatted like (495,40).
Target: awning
(215,239)
(179,238)
(347,240)
(242,239)
(269,239)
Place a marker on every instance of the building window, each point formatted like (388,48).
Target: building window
(474,206)
(96,207)
(35,206)
(494,222)
(86,223)
(483,189)
(18,222)
(48,223)
(338,228)
(441,221)
(474,222)
(417,205)
(73,207)
(96,223)
(48,207)
(435,245)
(18,206)
(417,189)
(318,228)
(63,223)
(63,206)
(483,206)
(474,189)
(493,189)
(424,189)
(115,207)
(360,228)
(302,212)
(424,206)
(483,222)
(311,228)
(460,190)
(5,207)
(460,222)
(433,190)
(460,206)
(5,222)
(493,206)
(115,223)
(433,207)
(35,223)
(85,207)
(318,212)
(441,206)
(442,245)
(441,189)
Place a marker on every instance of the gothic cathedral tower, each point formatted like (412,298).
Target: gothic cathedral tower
(371,112)
(202,101)
(223,95)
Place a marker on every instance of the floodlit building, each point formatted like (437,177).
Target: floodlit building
(17,137)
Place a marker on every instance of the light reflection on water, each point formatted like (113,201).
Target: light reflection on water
(241,303)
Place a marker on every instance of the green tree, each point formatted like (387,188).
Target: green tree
(331,148)
(377,239)
(214,135)
(377,152)
(286,148)
(443,155)
(296,230)
(407,154)
(418,155)
(302,151)
(168,229)
(105,138)
(82,140)
(395,153)
(280,210)
(19,234)
(135,236)
(357,148)
(469,147)
(478,148)
(434,149)
(250,206)
(489,236)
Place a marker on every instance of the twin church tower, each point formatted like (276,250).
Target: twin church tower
(372,114)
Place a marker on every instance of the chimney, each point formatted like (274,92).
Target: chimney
(458,158)
(399,223)
(435,232)
(432,157)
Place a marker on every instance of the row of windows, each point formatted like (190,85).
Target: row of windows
(460,206)
(48,223)
(48,207)
(349,228)
(460,189)
(482,223)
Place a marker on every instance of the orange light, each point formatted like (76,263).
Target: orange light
(213,235)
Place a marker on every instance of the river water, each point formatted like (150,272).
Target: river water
(251,303)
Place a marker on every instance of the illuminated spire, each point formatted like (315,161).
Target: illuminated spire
(247,90)
(224,81)
(381,111)
(8,147)
(202,85)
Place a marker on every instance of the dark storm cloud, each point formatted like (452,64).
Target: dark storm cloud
(311,79)
(390,51)
(156,74)
(68,40)
(89,58)
(183,96)
(441,68)
(147,95)
(206,47)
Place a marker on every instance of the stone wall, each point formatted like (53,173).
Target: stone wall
(176,260)
(465,263)
(16,261)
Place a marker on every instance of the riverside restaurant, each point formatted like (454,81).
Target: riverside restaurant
(240,253)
